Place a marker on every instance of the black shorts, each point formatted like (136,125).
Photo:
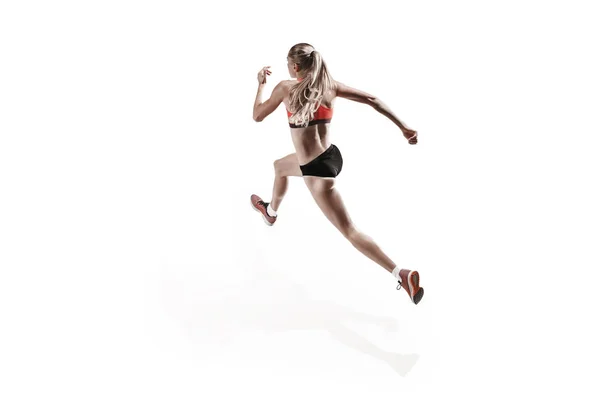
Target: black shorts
(327,164)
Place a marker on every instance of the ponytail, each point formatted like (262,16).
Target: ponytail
(306,96)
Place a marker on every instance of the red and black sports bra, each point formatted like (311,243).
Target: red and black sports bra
(322,116)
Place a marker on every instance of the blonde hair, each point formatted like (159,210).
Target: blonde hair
(306,95)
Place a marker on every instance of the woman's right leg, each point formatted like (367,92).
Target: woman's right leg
(284,167)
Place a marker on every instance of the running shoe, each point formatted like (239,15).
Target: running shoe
(410,283)
(261,207)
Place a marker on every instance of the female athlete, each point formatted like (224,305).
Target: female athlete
(309,100)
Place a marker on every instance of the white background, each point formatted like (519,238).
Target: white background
(133,267)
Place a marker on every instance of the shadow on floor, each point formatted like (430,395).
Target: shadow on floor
(274,303)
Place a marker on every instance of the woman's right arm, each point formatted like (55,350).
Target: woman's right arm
(363,97)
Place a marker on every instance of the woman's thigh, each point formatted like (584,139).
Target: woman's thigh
(330,202)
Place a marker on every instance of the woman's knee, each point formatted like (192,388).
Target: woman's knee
(279,167)
(347,228)
(286,166)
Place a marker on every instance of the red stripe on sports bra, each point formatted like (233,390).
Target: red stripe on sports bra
(321,113)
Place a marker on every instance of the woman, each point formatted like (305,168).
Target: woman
(309,103)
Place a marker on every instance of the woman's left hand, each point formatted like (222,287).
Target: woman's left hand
(262,75)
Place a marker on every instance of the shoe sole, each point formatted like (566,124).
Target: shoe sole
(413,283)
(260,212)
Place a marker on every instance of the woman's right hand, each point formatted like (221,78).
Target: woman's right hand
(262,75)
(410,135)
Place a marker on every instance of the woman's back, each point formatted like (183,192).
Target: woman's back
(313,139)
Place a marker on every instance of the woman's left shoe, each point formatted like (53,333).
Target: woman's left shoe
(410,283)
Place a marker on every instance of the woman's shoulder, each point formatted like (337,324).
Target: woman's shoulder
(287,84)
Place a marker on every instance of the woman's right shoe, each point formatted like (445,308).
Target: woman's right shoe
(410,283)
(261,207)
